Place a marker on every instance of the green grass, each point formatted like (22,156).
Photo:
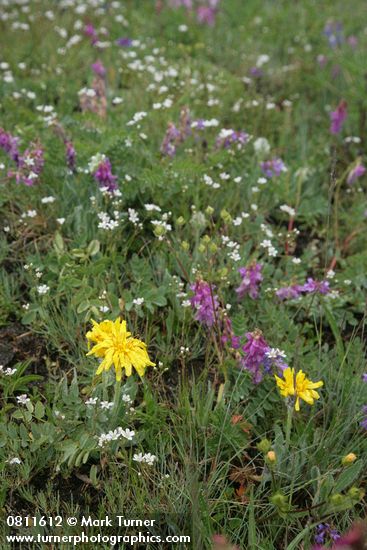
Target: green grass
(201,415)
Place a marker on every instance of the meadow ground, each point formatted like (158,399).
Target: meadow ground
(196,169)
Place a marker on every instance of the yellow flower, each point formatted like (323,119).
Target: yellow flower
(349,459)
(271,456)
(299,386)
(117,347)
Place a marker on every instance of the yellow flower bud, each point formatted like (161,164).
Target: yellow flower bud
(180,221)
(213,248)
(209,211)
(206,239)
(185,245)
(201,247)
(349,459)
(271,456)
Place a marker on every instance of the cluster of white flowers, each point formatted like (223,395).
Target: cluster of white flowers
(148,458)
(138,117)
(7,371)
(152,208)
(48,200)
(106,222)
(43,289)
(115,435)
(166,104)
(288,209)
(14,460)
(23,399)
(233,246)
(275,353)
(133,217)
(210,182)
(268,245)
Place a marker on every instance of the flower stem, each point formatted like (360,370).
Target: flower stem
(288,427)
(116,399)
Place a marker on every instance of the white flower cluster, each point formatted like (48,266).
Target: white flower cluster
(271,250)
(275,353)
(148,458)
(23,399)
(8,371)
(106,222)
(115,435)
(209,181)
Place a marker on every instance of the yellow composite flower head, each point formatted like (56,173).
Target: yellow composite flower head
(299,386)
(117,347)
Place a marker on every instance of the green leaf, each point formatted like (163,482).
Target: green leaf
(93,247)
(39,410)
(83,306)
(348,476)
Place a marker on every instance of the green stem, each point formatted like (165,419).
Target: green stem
(116,399)
(288,426)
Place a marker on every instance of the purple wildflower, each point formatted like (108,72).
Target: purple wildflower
(273,167)
(364,377)
(355,173)
(255,350)
(70,155)
(206,15)
(98,68)
(324,533)
(312,286)
(125,42)
(170,140)
(364,419)
(251,278)
(228,137)
(338,117)
(334,33)
(104,175)
(256,72)
(352,41)
(289,292)
(91,32)
(204,302)
(9,145)
(322,60)
(228,334)
(30,165)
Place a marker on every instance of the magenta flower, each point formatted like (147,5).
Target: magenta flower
(312,286)
(204,302)
(104,175)
(251,278)
(228,334)
(355,539)
(228,137)
(9,144)
(91,32)
(355,173)
(125,42)
(338,117)
(289,292)
(30,165)
(170,140)
(255,350)
(70,155)
(364,419)
(273,167)
(98,68)
(206,15)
